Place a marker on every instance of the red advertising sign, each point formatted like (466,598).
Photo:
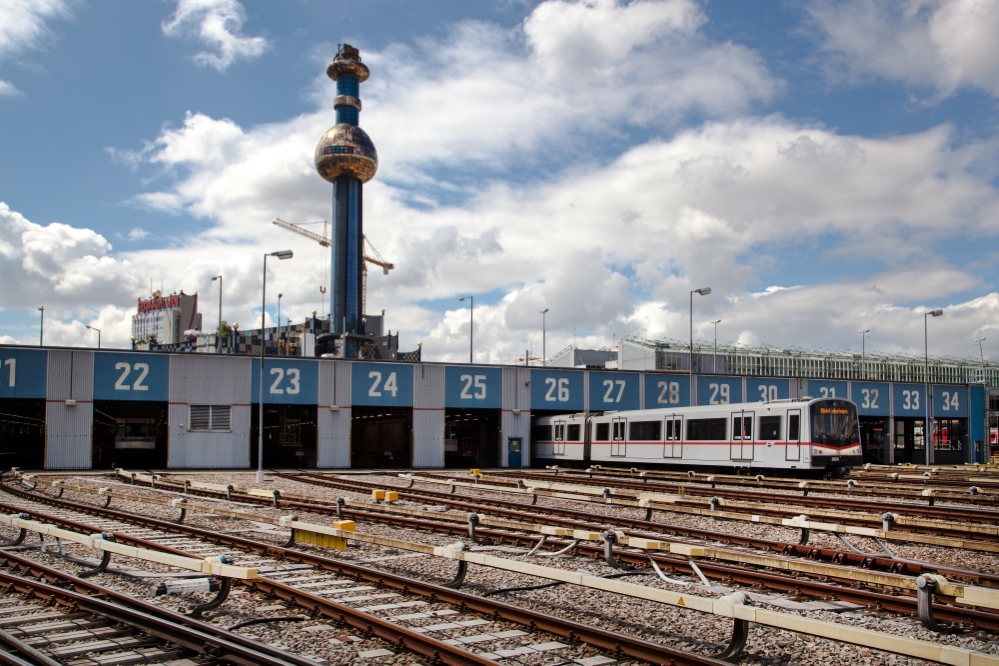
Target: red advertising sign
(163,303)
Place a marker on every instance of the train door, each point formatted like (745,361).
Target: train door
(619,428)
(793,449)
(741,445)
(558,448)
(587,436)
(673,444)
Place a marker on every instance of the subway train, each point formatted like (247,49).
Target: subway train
(814,436)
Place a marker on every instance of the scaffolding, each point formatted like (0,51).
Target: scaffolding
(667,354)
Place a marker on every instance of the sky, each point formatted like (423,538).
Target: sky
(826,167)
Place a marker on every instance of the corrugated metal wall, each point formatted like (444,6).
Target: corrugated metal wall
(69,430)
(206,380)
(428,416)
(334,426)
(516,395)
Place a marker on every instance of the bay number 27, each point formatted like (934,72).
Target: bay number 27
(12,364)
(390,386)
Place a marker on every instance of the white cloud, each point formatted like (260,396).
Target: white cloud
(218,24)
(23,27)
(941,44)
(138,233)
(612,245)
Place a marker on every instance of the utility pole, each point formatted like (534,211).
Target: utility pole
(471,326)
(544,353)
(219,278)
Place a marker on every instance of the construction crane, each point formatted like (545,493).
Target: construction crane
(323,240)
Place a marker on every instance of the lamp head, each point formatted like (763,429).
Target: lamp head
(280,295)
(935,313)
(461,300)
(545,311)
(217,277)
(716,321)
(704,291)
(283,254)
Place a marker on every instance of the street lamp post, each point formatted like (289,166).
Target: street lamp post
(280,296)
(927,428)
(282,255)
(985,383)
(544,334)
(219,278)
(471,325)
(981,356)
(98,335)
(41,327)
(703,291)
(863,353)
(714,361)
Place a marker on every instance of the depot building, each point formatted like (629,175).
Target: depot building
(80,409)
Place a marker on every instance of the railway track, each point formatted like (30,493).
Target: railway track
(924,510)
(797,586)
(302,578)
(581,519)
(905,482)
(56,618)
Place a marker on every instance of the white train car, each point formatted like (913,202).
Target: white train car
(820,434)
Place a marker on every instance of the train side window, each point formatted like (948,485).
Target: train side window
(747,428)
(705,429)
(603,432)
(769,427)
(647,431)
(560,433)
(793,427)
(669,430)
(573,433)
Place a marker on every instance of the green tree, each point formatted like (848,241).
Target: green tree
(224,330)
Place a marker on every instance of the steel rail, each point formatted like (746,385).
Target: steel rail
(584,520)
(615,642)
(729,574)
(923,510)
(166,625)
(873,485)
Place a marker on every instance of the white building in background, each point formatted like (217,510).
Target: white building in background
(165,318)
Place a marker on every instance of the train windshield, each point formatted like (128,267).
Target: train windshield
(133,430)
(834,422)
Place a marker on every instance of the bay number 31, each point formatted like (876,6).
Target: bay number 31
(12,364)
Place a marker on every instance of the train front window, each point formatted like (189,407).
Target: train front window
(542,433)
(133,430)
(835,422)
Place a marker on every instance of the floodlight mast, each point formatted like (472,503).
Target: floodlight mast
(703,291)
(928,427)
(282,255)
